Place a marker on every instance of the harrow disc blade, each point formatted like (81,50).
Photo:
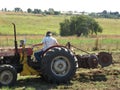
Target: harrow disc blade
(93,61)
(104,59)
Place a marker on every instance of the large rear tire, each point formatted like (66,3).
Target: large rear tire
(58,65)
(8,75)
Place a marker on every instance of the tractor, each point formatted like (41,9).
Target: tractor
(58,64)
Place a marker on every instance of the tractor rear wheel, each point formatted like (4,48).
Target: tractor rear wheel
(58,65)
(8,75)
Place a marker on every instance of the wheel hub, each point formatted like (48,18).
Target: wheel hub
(60,66)
(6,77)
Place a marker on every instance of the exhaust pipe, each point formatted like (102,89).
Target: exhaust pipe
(15,41)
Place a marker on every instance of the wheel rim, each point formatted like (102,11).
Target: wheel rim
(6,77)
(60,66)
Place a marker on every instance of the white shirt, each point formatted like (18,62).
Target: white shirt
(48,42)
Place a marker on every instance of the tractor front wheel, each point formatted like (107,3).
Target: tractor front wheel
(8,75)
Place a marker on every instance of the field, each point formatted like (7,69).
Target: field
(33,27)
(38,24)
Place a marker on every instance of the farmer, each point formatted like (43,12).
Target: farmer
(47,42)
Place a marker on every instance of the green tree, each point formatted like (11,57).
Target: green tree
(29,10)
(56,12)
(79,25)
(17,9)
(37,11)
(51,11)
(65,28)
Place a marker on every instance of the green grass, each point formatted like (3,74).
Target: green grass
(38,24)
(88,44)
(110,26)
(30,24)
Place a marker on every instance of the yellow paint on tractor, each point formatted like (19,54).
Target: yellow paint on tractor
(27,70)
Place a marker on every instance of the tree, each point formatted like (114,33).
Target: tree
(56,12)
(4,9)
(29,10)
(79,25)
(104,12)
(65,28)
(51,11)
(46,12)
(37,11)
(17,9)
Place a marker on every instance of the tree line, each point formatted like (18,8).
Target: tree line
(51,11)
(106,14)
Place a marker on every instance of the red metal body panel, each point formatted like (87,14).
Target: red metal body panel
(29,51)
(6,52)
(11,51)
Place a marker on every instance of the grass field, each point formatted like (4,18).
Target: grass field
(33,27)
(110,26)
(29,24)
(38,24)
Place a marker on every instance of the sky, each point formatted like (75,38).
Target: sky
(63,5)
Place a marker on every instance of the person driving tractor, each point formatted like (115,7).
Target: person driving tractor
(47,42)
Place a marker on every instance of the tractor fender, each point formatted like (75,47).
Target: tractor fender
(53,47)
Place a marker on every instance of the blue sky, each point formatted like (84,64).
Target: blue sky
(63,5)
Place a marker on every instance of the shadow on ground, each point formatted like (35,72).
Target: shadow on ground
(37,84)
(88,76)
(85,78)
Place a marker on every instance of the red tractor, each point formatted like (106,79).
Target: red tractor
(58,64)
